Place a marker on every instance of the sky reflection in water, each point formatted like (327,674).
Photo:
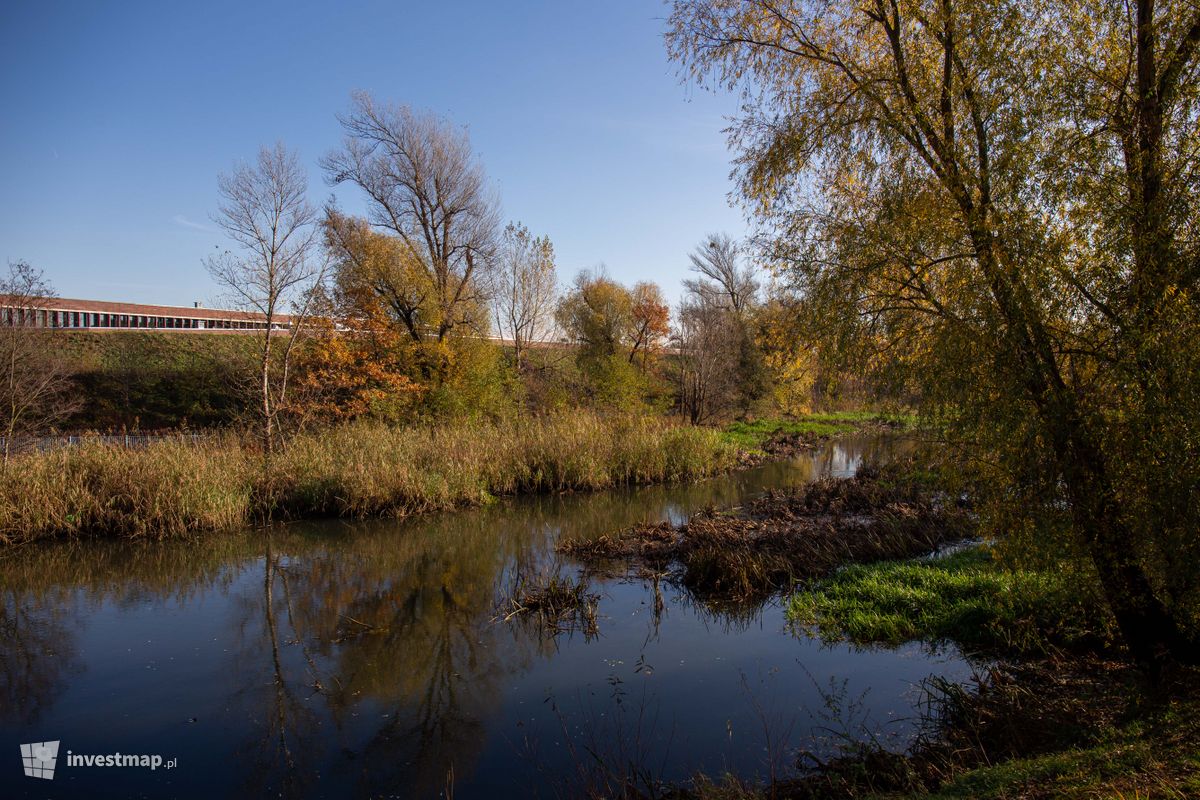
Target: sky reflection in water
(339,659)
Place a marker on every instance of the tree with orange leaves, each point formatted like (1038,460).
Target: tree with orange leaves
(649,322)
(345,373)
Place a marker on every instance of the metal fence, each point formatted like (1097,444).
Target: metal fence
(43,443)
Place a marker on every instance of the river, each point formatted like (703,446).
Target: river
(337,659)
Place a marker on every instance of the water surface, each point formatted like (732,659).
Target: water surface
(365,659)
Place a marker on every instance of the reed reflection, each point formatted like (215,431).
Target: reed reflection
(366,653)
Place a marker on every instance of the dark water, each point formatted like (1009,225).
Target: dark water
(338,659)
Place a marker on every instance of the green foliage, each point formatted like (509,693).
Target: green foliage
(617,333)
(613,382)
(156,380)
(598,314)
(466,378)
(753,435)
(967,597)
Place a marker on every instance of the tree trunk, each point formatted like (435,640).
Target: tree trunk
(267,430)
(1148,627)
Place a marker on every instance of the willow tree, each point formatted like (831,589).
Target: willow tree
(995,199)
(617,332)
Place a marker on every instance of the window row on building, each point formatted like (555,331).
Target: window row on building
(47,318)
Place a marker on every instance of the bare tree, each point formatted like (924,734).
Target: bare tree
(707,335)
(524,288)
(425,186)
(723,285)
(35,384)
(720,278)
(267,213)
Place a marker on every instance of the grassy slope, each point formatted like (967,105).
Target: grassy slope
(153,380)
(92,349)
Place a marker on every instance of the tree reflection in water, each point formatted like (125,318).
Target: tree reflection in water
(360,655)
(38,654)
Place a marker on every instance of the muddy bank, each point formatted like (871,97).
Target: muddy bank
(1057,727)
(750,552)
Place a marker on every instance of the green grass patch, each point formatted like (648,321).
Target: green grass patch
(968,598)
(1074,773)
(753,435)
(1152,755)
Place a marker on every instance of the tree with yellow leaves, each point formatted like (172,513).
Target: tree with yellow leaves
(997,200)
(617,332)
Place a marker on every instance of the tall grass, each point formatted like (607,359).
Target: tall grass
(177,488)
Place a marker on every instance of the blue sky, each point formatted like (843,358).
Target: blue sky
(117,117)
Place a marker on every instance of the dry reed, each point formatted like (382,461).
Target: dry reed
(179,487)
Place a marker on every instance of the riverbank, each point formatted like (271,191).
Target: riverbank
(1059,711)
(185,486)
(175,488)
(1052,728)
(773,439)
(1056,710)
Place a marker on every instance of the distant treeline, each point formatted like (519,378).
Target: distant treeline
(151,381)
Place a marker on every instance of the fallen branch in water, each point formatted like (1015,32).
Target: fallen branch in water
(555,602)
